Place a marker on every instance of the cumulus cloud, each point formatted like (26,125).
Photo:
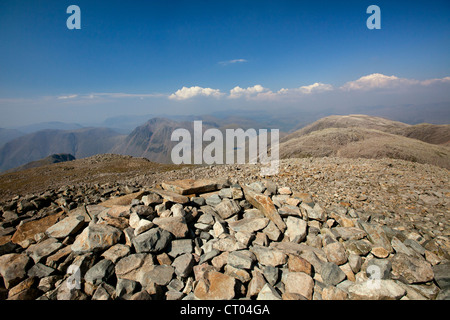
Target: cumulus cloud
(434,81)
(312,88)
(377,81)
(238,92)
(191,92)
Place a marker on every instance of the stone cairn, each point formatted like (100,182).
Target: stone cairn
(208,239)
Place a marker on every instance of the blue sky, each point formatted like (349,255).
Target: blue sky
(132,57)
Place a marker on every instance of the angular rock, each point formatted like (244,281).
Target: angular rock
(127,267)
(331,274)
(154,240)
(66,227)
(155,274)
(40,270)
(177,210)
(376,290)
(242,259)
(336,253)
(239,274)
(104,292)
(348,233)
(95,238)
(212,199)
(299,282)
(116,252)
(29,229)
(175,225)
(227,244)
(123,200)
(298,264)
(227,208)
(334,293)
(142,226)
(266,206)
(190,186)
(100,272)
(268,293)
(171,196)
(272,231)
(215,286)
(151,199)
(43,249)
(24,290)
(289,210)
(442,275)
(268,256)
(13,268)
(400,247)
(183,264)
(379,252)
(379,269)
(376,235)
(342,220)
(358,247)
(180,246)
(296,229)
(249,225)
(412,269)
(125,287)
(256,284)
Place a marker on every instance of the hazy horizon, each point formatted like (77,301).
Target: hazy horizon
(287,58)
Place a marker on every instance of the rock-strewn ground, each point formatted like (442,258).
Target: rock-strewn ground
(323,228)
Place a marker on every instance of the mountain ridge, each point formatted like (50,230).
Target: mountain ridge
(353,135)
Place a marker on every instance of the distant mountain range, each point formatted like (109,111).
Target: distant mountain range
(80,143)
(345,136)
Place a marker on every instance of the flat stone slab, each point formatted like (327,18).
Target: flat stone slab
(190,186)
(123,200)
(171,196)
(66,227)
(43,249)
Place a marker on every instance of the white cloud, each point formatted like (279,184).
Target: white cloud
(312,88)
(232,61)
(377,81)
(238,92)
(434,81)
(191,92)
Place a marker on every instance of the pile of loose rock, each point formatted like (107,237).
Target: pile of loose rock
(209,239)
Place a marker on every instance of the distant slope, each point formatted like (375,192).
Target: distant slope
(152,140)
(359,136)
(54,158)
(80,143)
(51,125)
(7,135)
(349,121)
(431,133)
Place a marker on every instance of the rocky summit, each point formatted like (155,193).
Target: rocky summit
(214,239)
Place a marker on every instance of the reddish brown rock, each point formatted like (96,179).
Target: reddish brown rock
(215,286)
(29,229)
(298,264)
